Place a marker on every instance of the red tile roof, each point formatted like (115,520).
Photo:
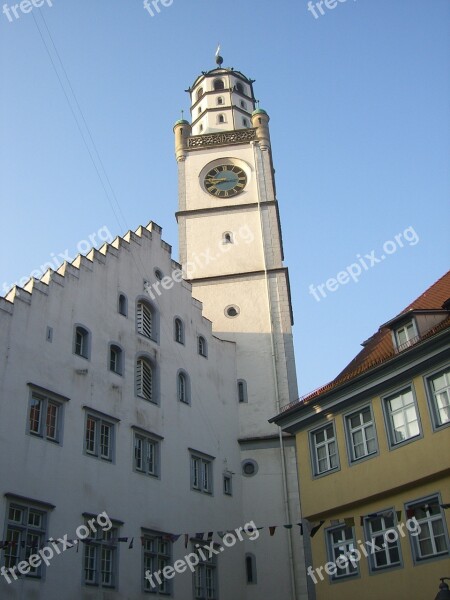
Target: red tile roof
(379,348)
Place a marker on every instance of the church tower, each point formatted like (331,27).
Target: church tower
(232,253)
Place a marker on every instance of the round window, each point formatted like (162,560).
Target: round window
(232,311)
(249,468)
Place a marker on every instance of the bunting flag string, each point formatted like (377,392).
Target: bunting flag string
(272,530)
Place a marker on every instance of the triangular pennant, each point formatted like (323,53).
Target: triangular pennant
(210,534)
(349,521)
(316,528)
(301,528)
(122,539)
(272,529)
(186,540)
(221,534)
(287,526)
(199,536)
(445,506)
(130,545)
(361,521)
(172,537)
(410,513)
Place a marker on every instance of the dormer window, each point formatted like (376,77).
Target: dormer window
(405,335)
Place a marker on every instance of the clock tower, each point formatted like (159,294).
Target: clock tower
(232,254)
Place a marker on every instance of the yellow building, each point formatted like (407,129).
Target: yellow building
(373,450)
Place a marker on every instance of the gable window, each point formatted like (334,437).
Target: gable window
(144,319)
(402,417)
(201,473)
(242,391)
(99,437)
(361,435)
(100,558)
(341,543)
(438,387)
(45,417)
(219,84)
(432,540)
(406,335)
(179,331)
(115,359)
(202,346)
(386,551)
(324,449)
(82,342)
(26,527)
(157,554)
(146,454)
(144,379)
(123,305)
(205,575)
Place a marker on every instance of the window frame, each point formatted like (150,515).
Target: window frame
(101,420)
(352,459)
(431,398)
(200,573)
(122,299)
(114,347)
(95,546)
(179,330)
(242,384)
(183,375)
(87,337)
(154,379)
(206,464)
(430,500)
(400,391)
(347,542)
(201,340)
(159,560)
(148,438)
(47,398)
(386,546)
(313,450)
(227,487)
(252,558)
(147,305)
(411,340)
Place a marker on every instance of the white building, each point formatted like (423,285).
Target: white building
(129,392)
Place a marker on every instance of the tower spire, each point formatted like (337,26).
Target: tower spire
(219,59)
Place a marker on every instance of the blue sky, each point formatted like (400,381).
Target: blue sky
(358,100)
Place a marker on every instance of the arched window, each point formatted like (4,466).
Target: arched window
(183,387)
(242,391)
(199,110)
(144,379)
(243,104)
(82,342)
(240,87)
(116,359)
(219,84)
(227,238)
(245,122)
(199,93)
(158,274)
(201,127)
(123,305)
(144,319)
(250,568)
(221,119)
(202,347)
(178,330)
(220,100)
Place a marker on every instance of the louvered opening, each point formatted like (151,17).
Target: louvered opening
(144,377)
(144,320)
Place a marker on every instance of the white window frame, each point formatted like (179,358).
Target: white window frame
(314,445)
(157,552)
(202,346)
(101,550)
(178,330)
(122,304)
(435,410)
(228,484)
(389,416)
(82,348)
(118,351)
(383,544)
(146,453)
(102,424)
(362,427)
(46,401)
(427,521)
(411,334)
(344,545)
(201,467)
(205,575)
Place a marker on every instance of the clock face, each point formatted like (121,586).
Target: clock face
(225,181)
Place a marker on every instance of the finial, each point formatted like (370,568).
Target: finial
(219,59)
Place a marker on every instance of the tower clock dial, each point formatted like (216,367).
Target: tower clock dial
(225,181)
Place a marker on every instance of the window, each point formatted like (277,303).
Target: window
(227,238)
(199,110)
(402,416)
(205,576)
(201,473)
(199,93)
(45,417)
(324,449)
(405,335)
(243,105)
(26,527)
(144,379)
(228,484)
(179,331)
(232,311)
(341,542)
(240,87)
(249,467)
(99,437)
(158,274)
(200,127)
(221,118)
(242,391)
(100,559)
(123,305)
(245,122)
(386,551)
(115,359)
(432,541)
(220,100)
(439,396)
(146,454)
(144,319)
(183,387)
(219,84)
(250,568)
(157,554)
(361,434)
(202,346)
(81,342)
